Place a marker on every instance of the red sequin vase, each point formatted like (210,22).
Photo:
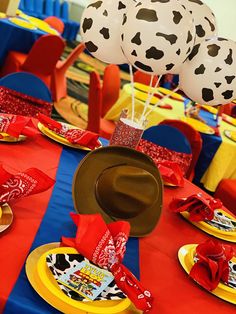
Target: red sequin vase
(128,131)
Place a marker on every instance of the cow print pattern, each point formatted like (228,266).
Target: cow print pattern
(229,59)
(204,19)
(177,17)
(147,15)
(101,22)
(200,31)
(207,94)
(229,79)
(212,26)
(121,6)
(87,24)
(228,94)
(95,5)
(136,39)
(59,263)
(200,70)
(152,49)
(213,50)
(213,83)
(172,38)
(91,46)
(143,66)
(105,32)
(153,53)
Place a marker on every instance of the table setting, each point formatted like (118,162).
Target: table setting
(90,184)
(91,226)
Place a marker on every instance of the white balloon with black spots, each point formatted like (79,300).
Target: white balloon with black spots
(204,19)
(208,76)
(157,36)
(100,29)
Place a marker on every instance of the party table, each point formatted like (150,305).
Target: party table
(217,159)
(16,37)
(44,218)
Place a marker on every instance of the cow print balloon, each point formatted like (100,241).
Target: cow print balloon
(100,29)
(209,73)
(157,36)
(204,19)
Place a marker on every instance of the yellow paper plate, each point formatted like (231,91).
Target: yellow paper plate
(11,139)
(43,26)
(230,134)
(164,91)
(6,217)
(46,286)
(186,258)
(22,23)
(2,15)
(229,119)
(141,92)
(198,125)
(229,236)
(211,109)
(52,135)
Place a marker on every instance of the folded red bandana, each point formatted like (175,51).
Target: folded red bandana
(199,208)
(171,173)
(74,136)
(212,264)
(31,181)
(16,125)
(159,154)
(105,246)
(13,102)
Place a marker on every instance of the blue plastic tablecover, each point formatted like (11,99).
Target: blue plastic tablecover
(14,37)
(169,137)
(210,145)
(28,84)
(57,222)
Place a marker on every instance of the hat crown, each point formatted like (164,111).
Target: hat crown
(125,191)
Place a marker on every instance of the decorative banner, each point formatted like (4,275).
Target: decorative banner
(204,19)
(100,30)
(209,73)
(157,37)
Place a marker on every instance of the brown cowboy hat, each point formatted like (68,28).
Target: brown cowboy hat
(120,183)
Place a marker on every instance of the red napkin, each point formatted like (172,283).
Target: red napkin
(74,136)
(212,265)
(171,172)
(31,181)
(13,125)
(198,207)
(104,245)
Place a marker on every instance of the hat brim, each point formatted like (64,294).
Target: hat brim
(92,166)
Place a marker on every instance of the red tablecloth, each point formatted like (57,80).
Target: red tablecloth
(160,270)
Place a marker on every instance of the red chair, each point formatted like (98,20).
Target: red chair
(194,139)
(226,192)
(144,78)
(95,122)
(40,61)
(110,88)
(55,23)
(58,82)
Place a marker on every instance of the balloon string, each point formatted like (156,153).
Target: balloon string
(159,102)
(150,95)
(132,87)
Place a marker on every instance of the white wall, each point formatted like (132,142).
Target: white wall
(225,12)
